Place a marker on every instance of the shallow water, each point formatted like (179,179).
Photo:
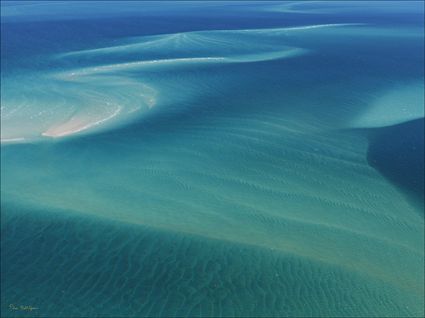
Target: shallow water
(231,159)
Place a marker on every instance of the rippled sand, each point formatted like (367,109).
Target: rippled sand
(115,269)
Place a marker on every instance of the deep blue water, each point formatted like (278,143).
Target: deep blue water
(194,159)
(398,153)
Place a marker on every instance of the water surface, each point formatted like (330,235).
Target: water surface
(217,159)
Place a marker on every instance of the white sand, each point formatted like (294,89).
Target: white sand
(77,124)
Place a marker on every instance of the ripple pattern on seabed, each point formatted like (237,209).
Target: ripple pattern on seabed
(265,201)
(126,270)
(202,208)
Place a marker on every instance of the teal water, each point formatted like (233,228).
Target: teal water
(224,159)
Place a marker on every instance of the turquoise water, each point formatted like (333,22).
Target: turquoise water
(217,159)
